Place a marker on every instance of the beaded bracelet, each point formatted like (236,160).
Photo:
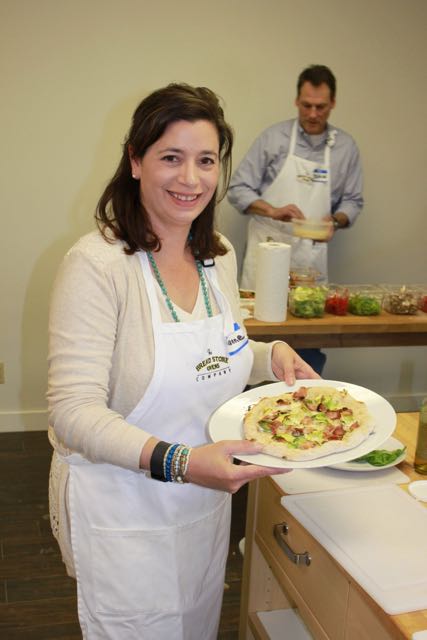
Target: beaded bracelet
(178,462)
(169,462)
(175,463)
(183,464)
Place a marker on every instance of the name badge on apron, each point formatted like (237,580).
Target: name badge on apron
(236,340)
(320,175)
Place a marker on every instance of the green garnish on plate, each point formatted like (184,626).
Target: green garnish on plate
(380,457)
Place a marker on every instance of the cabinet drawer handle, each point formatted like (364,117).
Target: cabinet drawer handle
(280,531)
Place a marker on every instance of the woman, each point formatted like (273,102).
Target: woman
(140,502)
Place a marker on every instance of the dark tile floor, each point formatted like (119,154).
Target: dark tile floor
(37,598)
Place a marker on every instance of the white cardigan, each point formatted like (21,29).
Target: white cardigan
(101,358)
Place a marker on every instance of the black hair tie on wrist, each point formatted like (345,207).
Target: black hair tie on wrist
(156,462)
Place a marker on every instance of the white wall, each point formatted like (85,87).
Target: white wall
(71,75)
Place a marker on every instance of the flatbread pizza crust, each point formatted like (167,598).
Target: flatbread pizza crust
(308,423)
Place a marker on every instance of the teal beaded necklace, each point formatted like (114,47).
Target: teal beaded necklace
(166,295)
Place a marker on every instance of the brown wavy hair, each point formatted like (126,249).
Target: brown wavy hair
(120,212)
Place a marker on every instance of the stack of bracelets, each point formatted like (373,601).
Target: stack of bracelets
(169,462)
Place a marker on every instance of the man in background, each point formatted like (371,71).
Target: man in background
(302,168)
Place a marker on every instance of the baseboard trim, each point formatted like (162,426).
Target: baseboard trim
(23,420)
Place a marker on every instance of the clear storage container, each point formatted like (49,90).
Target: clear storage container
(307,301)
(337,299)
(311,229)
(422,296)
(422,301)
(401,299)
(365,300)
(247,303)
(302,276)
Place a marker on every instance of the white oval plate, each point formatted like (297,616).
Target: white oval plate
(226,423)
(390,445)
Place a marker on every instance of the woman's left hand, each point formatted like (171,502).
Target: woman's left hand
(287,365)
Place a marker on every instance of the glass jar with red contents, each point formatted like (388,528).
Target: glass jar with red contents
(337,300)
(422,299)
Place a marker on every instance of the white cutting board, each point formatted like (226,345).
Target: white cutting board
(378,534)
(326,479)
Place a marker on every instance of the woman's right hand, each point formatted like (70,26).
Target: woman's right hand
(211,465)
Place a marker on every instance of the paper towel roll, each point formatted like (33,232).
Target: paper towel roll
(271,281)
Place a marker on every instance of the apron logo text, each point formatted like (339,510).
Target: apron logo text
(303,177)
(212,363)
(212,367)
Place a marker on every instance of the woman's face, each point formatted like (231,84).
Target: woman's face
(179,173)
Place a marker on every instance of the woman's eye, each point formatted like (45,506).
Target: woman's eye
(170,158)
(207,160)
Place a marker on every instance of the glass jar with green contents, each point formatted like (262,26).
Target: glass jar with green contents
(307,301)
(365,300)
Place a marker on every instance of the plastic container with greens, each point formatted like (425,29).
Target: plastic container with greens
(365,300)
(307,301)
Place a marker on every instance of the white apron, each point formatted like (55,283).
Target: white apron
(150,556)
(307,185)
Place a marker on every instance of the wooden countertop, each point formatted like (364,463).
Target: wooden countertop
(383,330)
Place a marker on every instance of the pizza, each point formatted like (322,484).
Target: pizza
(308,423)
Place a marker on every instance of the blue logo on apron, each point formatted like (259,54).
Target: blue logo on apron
(236,340)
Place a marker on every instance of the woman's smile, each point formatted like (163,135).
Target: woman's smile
(185,198)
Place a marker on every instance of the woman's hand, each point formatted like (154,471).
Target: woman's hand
(211,465)
(287,365)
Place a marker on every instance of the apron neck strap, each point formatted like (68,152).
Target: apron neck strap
(293,138)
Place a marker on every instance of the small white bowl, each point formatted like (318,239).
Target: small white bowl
(418,489)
